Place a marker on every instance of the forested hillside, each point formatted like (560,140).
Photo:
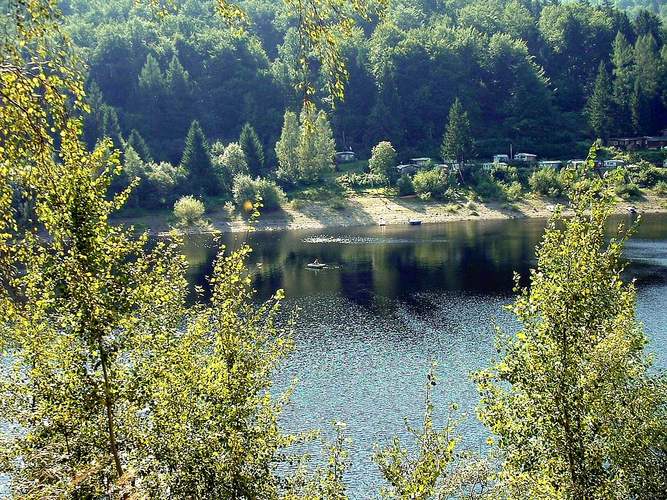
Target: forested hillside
(524,70)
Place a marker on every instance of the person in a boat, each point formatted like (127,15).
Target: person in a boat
(316,262)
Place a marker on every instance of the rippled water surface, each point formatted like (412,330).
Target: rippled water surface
(396,298)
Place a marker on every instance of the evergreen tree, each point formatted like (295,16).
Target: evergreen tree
(287,149)
(599,105)
(92,124)
(151,78)
(645,101)
(623,85)
(201,176)
(647,23)
(663,61)
(178,80)
(457,143)
(253,150)
(111,126)
(136,142)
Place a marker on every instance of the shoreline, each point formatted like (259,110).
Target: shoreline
(367,210)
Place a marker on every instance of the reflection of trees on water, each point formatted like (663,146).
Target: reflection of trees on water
(476,256)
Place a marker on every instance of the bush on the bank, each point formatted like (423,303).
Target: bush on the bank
(484,186)
(353,180)
(628,190)
(188,211)
(433,182)
(405,186)
(513,191)
(507,174)
(661,188)
(547,182)
(248,190)
(644,174)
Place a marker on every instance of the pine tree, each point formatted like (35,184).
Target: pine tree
(623,85)
(253,150)
(457,143)
(599,105)
(287,149)
(201,176)
(111,126)
(646,97)
(92,124)
(137,142)
(151,78)
(178,109)
(178,80)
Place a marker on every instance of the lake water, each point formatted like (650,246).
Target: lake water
(394,300)
(397,298)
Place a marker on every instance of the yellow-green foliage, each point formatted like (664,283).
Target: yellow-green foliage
(211,428)
(570,401)
(188,210)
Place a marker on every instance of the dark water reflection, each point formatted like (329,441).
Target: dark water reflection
(397,298)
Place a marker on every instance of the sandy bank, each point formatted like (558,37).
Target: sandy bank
(370,210)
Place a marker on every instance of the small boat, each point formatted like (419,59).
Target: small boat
(415,222)
(382,222)
(316,265)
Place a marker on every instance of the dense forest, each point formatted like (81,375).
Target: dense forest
(541,75)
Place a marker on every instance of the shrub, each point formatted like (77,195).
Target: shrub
(513,191)
(405,186)
(272,196)
(354,180)
(432,181)
(485,186)
(546,181)
(243,190)
(504,173)
(645,175)
(248,190)
(661,188)
(188,211)
(628,190)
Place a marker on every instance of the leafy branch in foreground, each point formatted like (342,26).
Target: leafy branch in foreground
(433,469)
(576,412)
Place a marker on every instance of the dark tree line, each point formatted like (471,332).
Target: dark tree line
(540,75)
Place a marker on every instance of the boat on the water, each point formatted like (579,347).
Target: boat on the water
(382,222)
(316,265)
(415,222)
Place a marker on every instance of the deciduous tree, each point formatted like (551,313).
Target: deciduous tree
(575,411)
(457,143)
